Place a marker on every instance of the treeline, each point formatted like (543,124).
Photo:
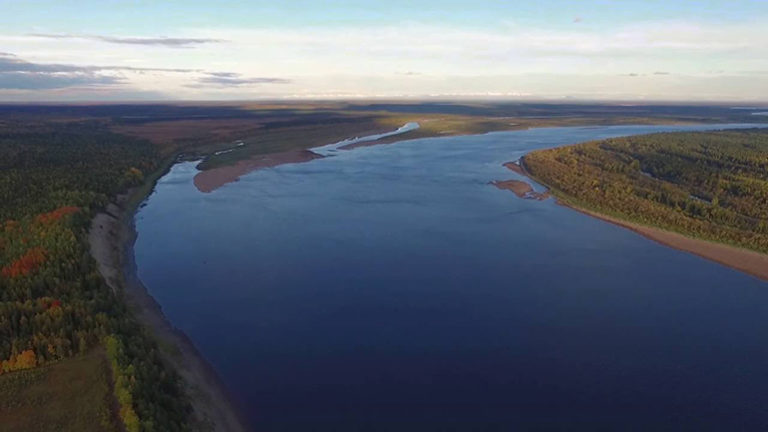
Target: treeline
(712,185)
(44,166)
(54,304)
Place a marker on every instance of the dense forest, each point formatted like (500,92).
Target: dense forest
(712,185)
(54,304)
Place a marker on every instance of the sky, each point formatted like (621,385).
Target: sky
(630,50)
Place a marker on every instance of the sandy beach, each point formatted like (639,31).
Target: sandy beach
(112,236)
(750,262)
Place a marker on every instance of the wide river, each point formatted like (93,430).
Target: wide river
(392,288)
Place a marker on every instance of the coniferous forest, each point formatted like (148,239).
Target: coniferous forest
(711,185)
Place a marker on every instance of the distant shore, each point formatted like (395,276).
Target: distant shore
(112,237)
(208,180)
(746,261)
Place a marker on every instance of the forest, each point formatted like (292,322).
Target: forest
(54,304)
(709,185)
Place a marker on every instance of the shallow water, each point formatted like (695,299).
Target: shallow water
(332,149)
(392,288)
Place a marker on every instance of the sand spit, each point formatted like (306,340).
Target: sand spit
(521,189)
(516,168)
(209,180)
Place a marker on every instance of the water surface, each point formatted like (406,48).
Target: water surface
(392,288)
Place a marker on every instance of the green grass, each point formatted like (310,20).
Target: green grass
(72,395)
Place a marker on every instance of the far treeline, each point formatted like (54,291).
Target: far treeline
(711,185)
(54,304)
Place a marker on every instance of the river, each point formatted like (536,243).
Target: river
(393,288)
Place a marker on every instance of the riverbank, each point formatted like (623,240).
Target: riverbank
(747,261)
(750,262)
(111,237)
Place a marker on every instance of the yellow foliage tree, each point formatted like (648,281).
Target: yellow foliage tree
(25,360)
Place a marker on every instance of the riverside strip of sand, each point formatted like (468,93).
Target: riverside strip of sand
(747,261)
(111,237)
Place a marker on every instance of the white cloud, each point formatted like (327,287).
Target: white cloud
(673,45)
(511,59)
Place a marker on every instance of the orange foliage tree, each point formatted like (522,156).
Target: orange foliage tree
(25,264)
(57,214)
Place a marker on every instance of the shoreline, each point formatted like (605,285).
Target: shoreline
(112,237)
(746,261)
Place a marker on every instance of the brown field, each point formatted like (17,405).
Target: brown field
(164,132)
(72,395)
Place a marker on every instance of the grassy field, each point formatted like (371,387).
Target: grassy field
(295,137)
(72,395)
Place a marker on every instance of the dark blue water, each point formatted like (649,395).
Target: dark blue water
(392,288)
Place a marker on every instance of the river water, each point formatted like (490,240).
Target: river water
(392,288)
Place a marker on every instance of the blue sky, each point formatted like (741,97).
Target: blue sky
(593,49)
